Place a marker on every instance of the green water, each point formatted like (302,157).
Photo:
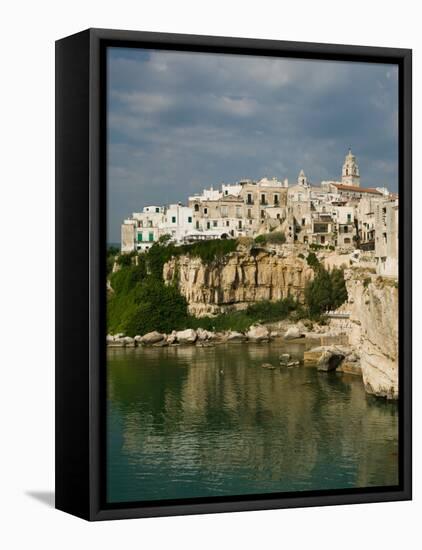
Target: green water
(198,422)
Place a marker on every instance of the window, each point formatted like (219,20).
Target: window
(347,241)
(249,213)
(322,240)
(157,210)
(224,211)
(263,198)
(150,236)
(173,219)
(249,200)
(205,210)
(208,225)
(240,224)
(250,222)
(140,224)
(238,212)
(276,201)
(345,229)
(226,192)
(139,237)
(214,223)
(349,218)
(197,225)
(189,219)
(149,223)
(196,207)
(262,213)
(227,223)
(278,216)
(303,221)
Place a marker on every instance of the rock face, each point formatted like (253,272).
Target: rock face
(239,279)
(373,306)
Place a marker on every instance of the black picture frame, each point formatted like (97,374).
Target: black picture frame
(80,271)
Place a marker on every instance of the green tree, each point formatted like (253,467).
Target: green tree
(326,292)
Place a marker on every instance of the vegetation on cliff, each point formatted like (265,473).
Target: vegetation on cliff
(141,302)
(276,237)
(327,291)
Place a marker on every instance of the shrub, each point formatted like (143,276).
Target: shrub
(260,239)
(125,259)
(157,307)
(313,261)
(276,237)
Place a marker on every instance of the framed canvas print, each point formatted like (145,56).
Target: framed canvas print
(233,229)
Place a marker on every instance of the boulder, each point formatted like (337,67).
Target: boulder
(129,342)
(172,338)
(161,343)
(267,366)
(234,336)
(329,360)
(110,338)
(293,364)
(187,336)
(152,338)
(117,343)
(284,358)
(204,335)
(293,333)
(258,333)
(138,339)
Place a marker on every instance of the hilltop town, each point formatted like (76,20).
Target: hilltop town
(337,215)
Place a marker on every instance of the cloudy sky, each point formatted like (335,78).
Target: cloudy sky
(179,122)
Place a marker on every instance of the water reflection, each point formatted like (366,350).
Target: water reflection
(190,421)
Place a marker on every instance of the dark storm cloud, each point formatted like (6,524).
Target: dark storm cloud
(179,122)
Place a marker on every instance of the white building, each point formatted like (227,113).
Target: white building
(177,222)
(144,228)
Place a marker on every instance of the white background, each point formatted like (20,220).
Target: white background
(29,30)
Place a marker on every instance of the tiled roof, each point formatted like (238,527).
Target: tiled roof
(357,189)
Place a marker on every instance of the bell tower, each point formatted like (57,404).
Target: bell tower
(350,174)
(302,179)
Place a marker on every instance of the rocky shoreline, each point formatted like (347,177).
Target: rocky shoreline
(256,333)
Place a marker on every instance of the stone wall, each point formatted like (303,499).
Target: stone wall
(239,279)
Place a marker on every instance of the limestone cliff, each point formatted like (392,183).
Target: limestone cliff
(238,279)
(373,307)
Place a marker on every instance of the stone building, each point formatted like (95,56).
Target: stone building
(335,213)
(386,237)
(240,209)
